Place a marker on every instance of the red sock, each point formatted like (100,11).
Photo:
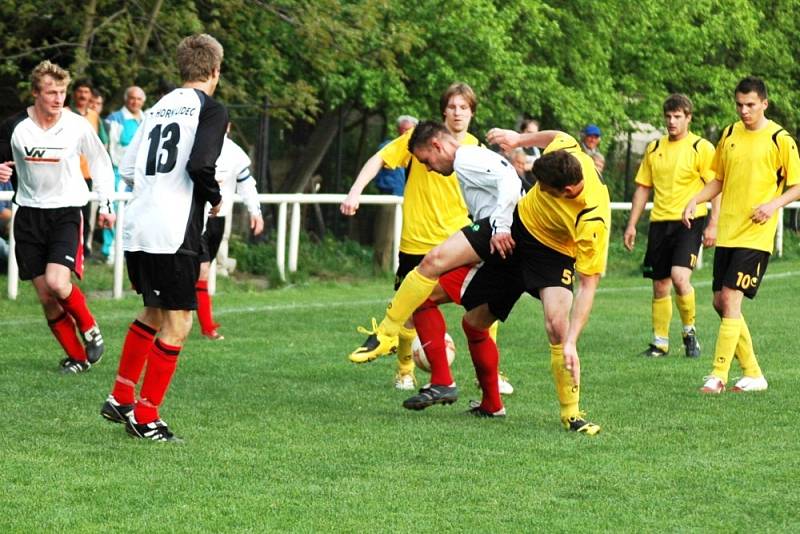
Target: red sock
(486,360)
(161,363)
(430,325)
(137,344)
(63,328)
(75,304)
(204,314)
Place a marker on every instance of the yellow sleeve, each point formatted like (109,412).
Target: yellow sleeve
(705,160)
(562,141)
(396,154)
(790,161)
(644,176)
(592,245)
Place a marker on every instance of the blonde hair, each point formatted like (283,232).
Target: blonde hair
(46,68)
(198,56)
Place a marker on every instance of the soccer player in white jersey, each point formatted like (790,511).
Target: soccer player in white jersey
(40,150)
(233,176)
(491,188)
(171,164)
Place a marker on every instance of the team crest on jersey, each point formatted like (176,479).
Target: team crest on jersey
(41,154)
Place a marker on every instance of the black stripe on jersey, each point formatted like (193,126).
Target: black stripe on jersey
(775,136)
(694,145)
(568,147)
(240,180)
(655,146)
(595,219)
(582,213)
(727,132)
(779,177)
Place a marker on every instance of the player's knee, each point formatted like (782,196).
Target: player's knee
(556,328)
(432,264)
(58,285)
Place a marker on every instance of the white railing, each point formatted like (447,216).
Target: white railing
(283,202)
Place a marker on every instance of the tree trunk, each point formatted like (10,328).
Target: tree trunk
(141,50)
(304,166)
(82,52)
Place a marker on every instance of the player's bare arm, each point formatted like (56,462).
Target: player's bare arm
(711,190)
(502,243)
(509,139)
(370,169)
(762,213)
(581,308)
(640,197)
(710,233)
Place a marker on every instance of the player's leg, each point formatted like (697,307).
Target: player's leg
(138,344)
(63,328)
(486,359)
(415,288)
(685,300)
(557,303)
(661,311)
(211,239)
(505,384)
(656,266)
(728,303)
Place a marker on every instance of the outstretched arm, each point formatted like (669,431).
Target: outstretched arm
(371,168)
(509,139)
(581,308)
(711,190)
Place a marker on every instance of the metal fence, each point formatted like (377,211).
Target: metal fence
(283,201)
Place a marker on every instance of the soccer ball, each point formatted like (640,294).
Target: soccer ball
(421,360)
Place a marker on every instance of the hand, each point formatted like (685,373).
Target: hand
(106,220)
(215,209)
(507,139)
(710,236)
(688,213)
(502,243)
(761,214)
(256,224)
(6,169)
(629,237)
(572,363)
(349,206)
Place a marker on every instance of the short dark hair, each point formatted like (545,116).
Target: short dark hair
(83,82)
(558,169)
(678,102)
(751,84)
(461,89)
(525,122)
(424,132)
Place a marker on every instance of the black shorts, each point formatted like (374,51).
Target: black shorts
(479,235)
(211,239)
(48,236)
(499,285)
(540,266)
(670,244)
(165,281)
(739,268)
(405,265)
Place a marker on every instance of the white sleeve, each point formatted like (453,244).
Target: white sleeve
(127,167)
(100,167)
(508,193)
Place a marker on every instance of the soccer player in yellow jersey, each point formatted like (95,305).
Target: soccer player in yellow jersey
(676,166)
(433,208)
(561,226)
(754,162)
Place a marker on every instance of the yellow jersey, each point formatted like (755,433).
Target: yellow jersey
(677,171)
(754,167)
(433,208)
(578,227)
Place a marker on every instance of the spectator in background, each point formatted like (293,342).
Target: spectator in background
(530,126)
(393,181)
(519,160)
(98,101)
(590,143)
(81,100)
(122,125)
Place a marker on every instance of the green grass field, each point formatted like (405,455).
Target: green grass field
(283,434)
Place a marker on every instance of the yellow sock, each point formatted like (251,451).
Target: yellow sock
(408,297)
(662,315)
(686,308)
(493,330)
(405,363)
(727,339)
(568,393)
(745,353)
